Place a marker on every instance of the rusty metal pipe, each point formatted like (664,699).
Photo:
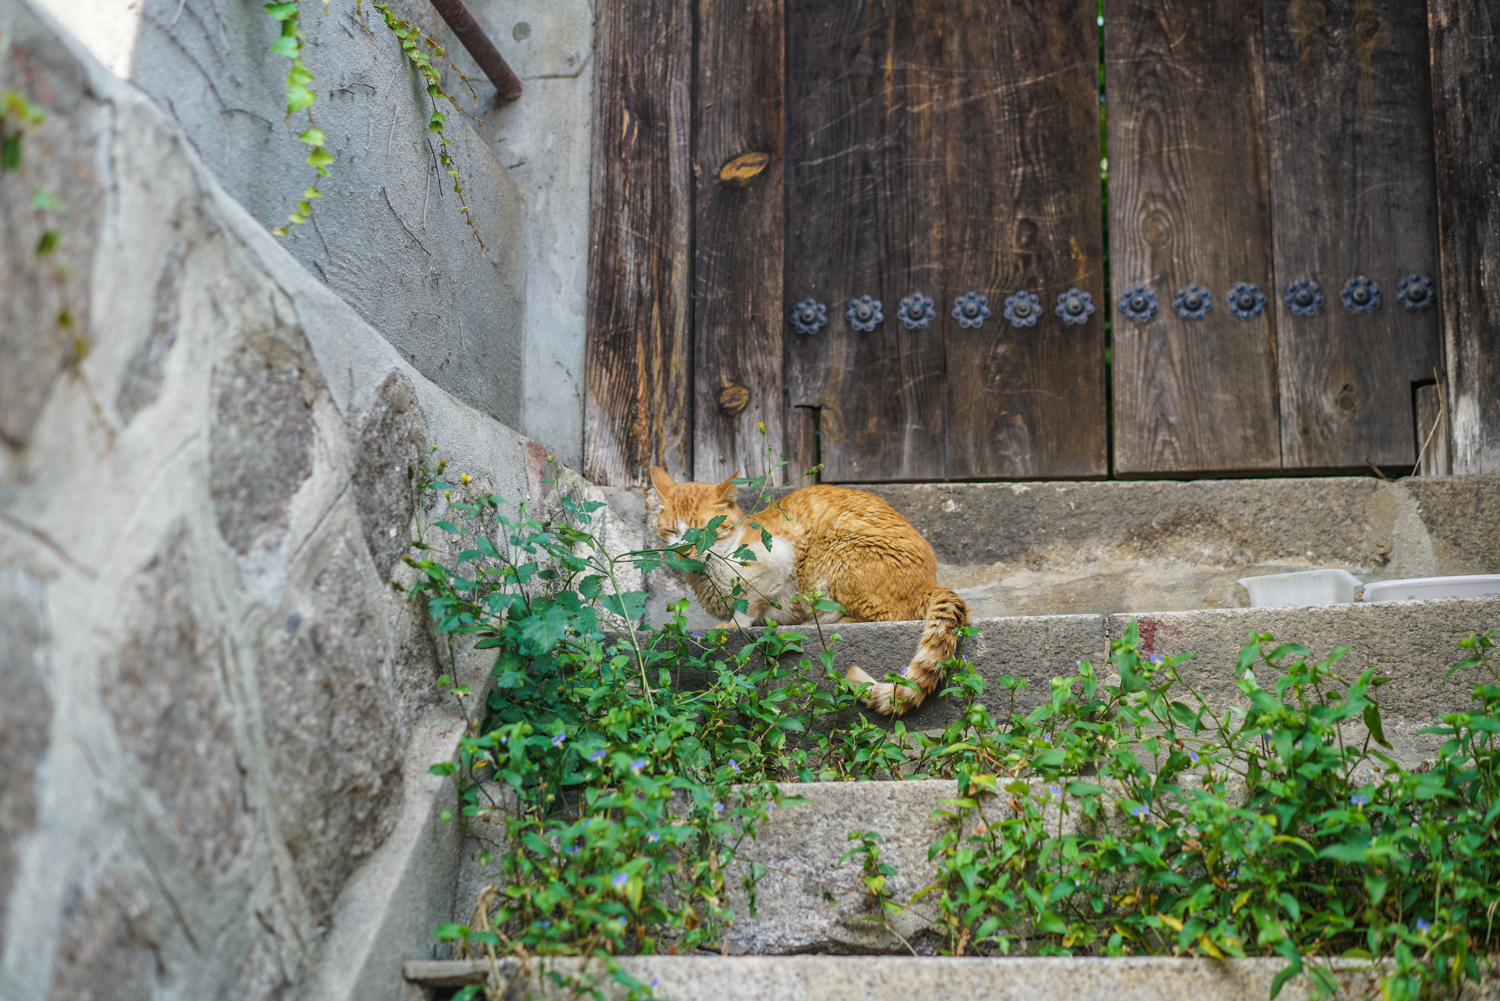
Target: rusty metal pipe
(480,47)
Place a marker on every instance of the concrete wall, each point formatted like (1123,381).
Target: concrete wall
(216,714)
(502,331)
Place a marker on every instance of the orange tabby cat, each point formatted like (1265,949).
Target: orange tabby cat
(850,545)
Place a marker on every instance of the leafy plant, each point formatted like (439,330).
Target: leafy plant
(410,37)
(1134,818)
(300,96)
(627,764)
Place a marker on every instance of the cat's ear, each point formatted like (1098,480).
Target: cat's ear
(664,483)
(727,488)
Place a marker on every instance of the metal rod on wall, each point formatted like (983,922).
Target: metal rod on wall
(480,47)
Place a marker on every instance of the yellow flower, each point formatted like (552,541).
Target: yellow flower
(465,478)
(761,425)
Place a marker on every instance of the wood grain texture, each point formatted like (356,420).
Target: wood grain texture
(1434,452)
(1466,126)
(864,217)
(1349,112)
(1190,202)
(639,354)
(740,232)
(1021,206)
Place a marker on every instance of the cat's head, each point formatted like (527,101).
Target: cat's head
(693,505)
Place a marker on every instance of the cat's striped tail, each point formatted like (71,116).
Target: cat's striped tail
(943,611)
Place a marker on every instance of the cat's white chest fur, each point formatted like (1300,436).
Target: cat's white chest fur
(769,582)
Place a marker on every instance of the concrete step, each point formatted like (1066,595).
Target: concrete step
(809,902)
(1047,548)
(893,978)
(1413,642)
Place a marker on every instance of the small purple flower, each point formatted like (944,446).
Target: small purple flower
(698,637)
(597,756)
(543,924)
(571,850)
(636,765)
(1055,791)
(655,981)
(1157,659)
(652,838)
(1047,736)
(1359,800)
(1193,756)
(734,766)
(619,879)
(1423,926)
(559,739)
(719,809)
(1140,811)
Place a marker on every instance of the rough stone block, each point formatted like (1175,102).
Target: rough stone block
(25,715)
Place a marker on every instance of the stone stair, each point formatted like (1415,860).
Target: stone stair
(1174,547)
(902,978)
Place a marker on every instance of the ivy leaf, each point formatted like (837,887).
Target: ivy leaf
(286,45)
(298,97)
(281,11)
(313,137)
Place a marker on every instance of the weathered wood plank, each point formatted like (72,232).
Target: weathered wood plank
(740,231)
(1434,453)
(1350,114)
(1466,125)
(1021,204)
(639,355)
(1189,202)
(864,217)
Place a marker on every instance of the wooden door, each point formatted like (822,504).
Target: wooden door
(757,155)
(1270,145)
(938,148)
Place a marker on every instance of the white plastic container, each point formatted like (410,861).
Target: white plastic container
(1472,586)
(1306,587)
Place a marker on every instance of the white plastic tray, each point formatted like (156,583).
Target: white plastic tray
(1306,587)
(1471,586)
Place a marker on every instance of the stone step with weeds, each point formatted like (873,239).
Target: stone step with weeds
(1414,643)
(809,902)
(894,978)
(1101,547)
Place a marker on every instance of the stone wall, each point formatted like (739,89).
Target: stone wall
(216,713)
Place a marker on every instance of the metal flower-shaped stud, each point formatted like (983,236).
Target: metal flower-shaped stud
(1022,309)
(1415,292)
(1304,296)
(1138,303)
(916,311)
(971,309)
(1360,295)
(1075,306)
(808,315)
(1193,302)
(1247,301)
(864,313)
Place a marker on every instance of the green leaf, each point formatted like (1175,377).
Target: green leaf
(319,158)
(288,46)
(1372,721)
(47,242)
(298,97)
(45,201)
(313,137)
(281,11)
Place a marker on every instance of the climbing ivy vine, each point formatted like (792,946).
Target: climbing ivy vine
(300,97)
